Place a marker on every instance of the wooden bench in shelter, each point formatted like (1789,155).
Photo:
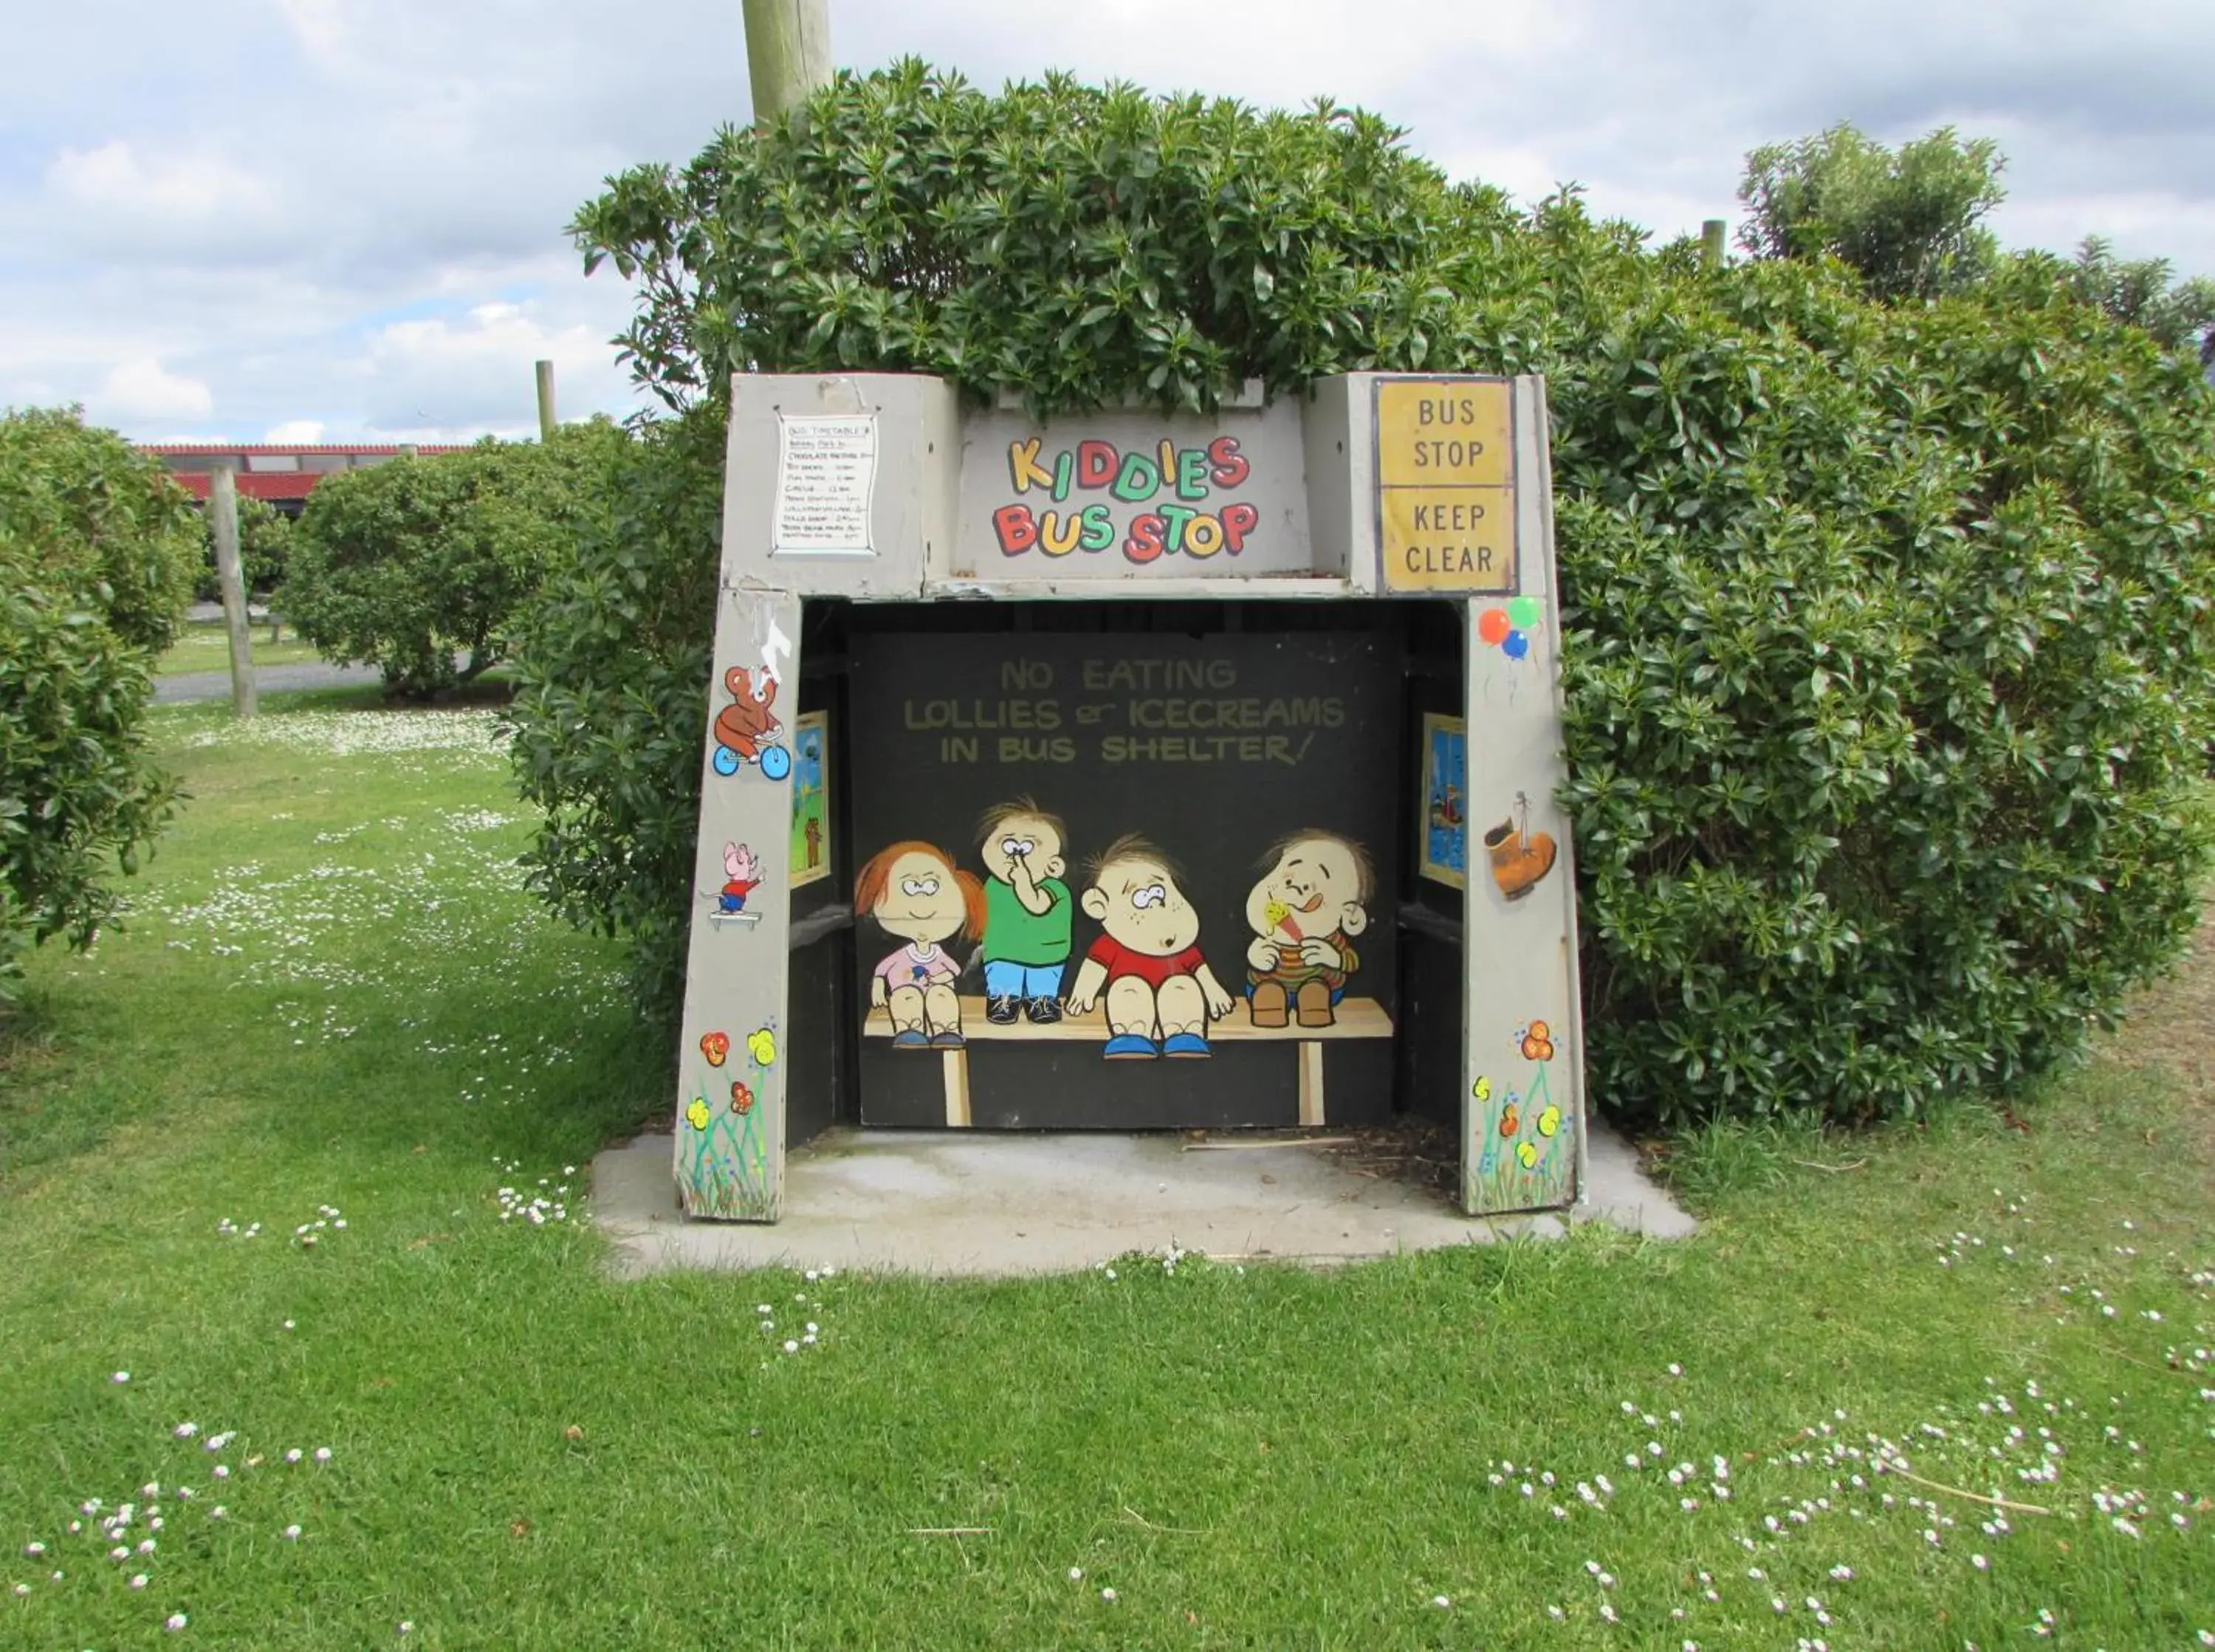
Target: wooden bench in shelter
(1357,1017)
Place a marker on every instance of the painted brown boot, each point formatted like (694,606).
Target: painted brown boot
(1525,863)
(1269,1007)
(1315,1009)
(1499,845)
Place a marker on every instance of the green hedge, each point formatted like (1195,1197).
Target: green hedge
(97,551)
(1887,662)
(409,564)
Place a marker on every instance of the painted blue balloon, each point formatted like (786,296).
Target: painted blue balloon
(726,761)
(1515,646)
(775,762)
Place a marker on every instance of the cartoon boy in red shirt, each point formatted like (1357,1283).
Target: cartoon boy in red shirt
(1160,991)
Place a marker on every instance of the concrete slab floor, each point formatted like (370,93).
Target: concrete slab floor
(958,1202)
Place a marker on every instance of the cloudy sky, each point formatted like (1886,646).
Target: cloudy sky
(330,219)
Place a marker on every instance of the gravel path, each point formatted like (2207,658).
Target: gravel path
(216,685)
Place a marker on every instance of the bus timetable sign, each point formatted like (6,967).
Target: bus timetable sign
(1446,485)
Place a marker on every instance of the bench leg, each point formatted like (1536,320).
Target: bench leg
(956,1063)
(1310,1082)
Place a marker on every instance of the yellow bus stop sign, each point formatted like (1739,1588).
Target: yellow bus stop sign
(1445,486)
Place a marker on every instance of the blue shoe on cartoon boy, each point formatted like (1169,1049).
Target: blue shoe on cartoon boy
(1148,965)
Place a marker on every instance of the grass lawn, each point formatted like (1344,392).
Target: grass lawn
(336,1017)
(205,645)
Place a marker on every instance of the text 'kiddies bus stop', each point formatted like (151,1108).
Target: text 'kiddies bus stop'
(1134,772)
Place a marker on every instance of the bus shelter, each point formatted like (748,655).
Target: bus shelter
(1129,772)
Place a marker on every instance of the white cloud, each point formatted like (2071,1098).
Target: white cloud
(186,187)
(295,432)
(319,27)
(143,390)
(476,371)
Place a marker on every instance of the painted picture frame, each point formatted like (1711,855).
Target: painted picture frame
(1442,827)
(811,799)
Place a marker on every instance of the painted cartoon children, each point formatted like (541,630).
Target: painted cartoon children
(1304,912)
(742,871)
(1027,912)
(913,891)
(1160,991)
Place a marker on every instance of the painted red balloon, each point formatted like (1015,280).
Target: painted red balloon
(1492,626)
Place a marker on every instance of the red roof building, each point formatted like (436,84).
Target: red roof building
(284,475)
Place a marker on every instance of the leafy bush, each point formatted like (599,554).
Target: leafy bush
(420,559)
(105,521)
(1887,665)
(1074,243)
(1906,220)
(1888,670)
(610,706)
(2138,290)
(96,549)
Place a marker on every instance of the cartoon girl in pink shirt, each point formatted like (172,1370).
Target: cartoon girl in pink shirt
(915,891)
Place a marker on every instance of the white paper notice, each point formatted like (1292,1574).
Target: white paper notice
(826,469)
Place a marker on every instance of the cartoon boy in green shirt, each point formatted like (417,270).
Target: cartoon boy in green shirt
(1027,912)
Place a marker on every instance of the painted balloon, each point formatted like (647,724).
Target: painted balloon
(1492,624)
(1524,612)
(726,761)
(1516,646)
(775,762)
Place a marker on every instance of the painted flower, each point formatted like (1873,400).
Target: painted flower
(761,1044)
(1538,1042)
(1527,1155)
(742,1099)
(715,1046)
(697,1114)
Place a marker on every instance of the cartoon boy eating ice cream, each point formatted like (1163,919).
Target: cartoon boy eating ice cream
(1304,912)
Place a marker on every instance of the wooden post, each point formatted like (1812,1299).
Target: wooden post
(1711,244)
(223,515)
(788,52)
(545,401)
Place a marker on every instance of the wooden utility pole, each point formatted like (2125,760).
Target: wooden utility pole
(223,515)
(1711,244)
(545,401)
(788,52)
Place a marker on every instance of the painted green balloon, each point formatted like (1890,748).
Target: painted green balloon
(1523,612)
